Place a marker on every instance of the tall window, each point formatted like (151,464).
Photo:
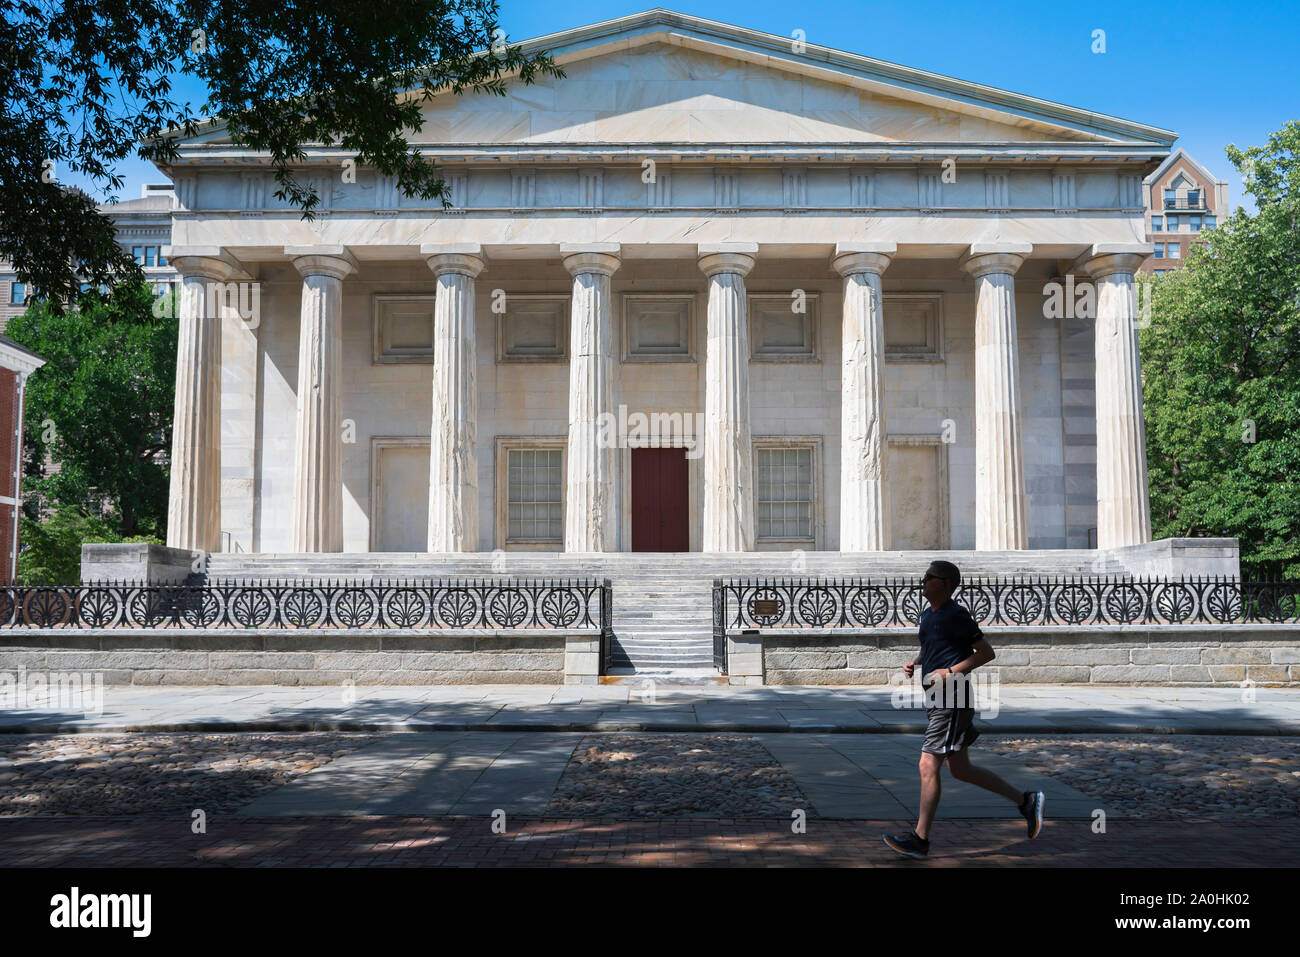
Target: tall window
(1157,224)
(1171,197)
(1195,223)
(1173,250)
(1160,251)
(162,260)
(18,293)
(137,253)
(1209,222)
(1171,224)
(149,253)
(1193,198)
(534,509)
(785,489)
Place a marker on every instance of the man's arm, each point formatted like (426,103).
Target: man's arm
(982,654)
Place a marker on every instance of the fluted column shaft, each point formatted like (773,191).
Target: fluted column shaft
(728,455)
(194,502)
(590,517)
(1123,505)
(864,452)
(1001,506)
(318,452)
(453,434)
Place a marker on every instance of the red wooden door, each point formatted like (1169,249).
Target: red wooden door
(660,522)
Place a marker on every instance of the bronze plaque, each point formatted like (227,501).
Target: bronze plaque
(765,607)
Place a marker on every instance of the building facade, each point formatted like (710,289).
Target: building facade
(709,292)
(1181,199)
(144,228)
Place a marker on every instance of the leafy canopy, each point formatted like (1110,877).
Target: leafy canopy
(101,407)
(86,84)
(1221,371)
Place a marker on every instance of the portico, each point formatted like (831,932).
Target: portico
(840,375)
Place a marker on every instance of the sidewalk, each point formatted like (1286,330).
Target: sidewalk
(1033,709)
(469,842)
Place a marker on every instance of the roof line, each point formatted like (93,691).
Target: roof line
(920,82)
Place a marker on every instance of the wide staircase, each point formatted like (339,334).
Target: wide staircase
(663,610)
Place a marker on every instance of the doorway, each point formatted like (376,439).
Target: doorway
(660,510)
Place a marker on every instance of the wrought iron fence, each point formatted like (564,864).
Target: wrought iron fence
(312,603)
(1082,600)
(719,626)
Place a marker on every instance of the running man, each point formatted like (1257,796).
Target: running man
(952,646)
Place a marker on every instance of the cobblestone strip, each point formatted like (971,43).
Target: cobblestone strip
(42,774)
(1163,776)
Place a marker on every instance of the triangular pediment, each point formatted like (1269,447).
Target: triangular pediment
(662,93)
(661,77)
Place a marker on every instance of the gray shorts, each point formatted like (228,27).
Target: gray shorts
(950,729)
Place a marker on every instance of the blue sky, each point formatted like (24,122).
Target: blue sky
(1215,73)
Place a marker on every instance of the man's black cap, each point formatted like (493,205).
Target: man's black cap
(942,569)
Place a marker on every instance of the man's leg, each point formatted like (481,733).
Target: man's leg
(959,764)
(930,766)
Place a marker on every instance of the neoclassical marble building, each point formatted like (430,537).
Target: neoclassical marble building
(819,277)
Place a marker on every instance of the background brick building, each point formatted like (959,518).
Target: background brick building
(1182,198)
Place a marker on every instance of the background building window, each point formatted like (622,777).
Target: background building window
(1171,197)
(785,487)
(137,253)
(1209,222)
(1173,250)
(1193,198)
(1157,224)
(534,509)
(149,253)
(1171,224)
(1195,222)
(18,293)
(162,260)
(1160,251)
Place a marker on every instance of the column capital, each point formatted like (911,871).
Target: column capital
(337,262)
(1103,259)
(600,258)
(215,263)
(726,257)
(849,258)
(465,258)
(1003,257)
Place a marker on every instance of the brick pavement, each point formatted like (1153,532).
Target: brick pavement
(530,842)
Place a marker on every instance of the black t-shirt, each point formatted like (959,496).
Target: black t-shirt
(947,634)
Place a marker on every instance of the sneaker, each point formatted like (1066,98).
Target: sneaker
(909,844)
(1032,811)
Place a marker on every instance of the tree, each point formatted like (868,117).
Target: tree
(101,406)
(1221,363)
(86,84)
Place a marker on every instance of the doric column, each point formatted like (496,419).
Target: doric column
(453,435)
(864,451)
(590,522)
(1123,506)
(1000,502)
(194,505)
(318,452)
(728,456)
